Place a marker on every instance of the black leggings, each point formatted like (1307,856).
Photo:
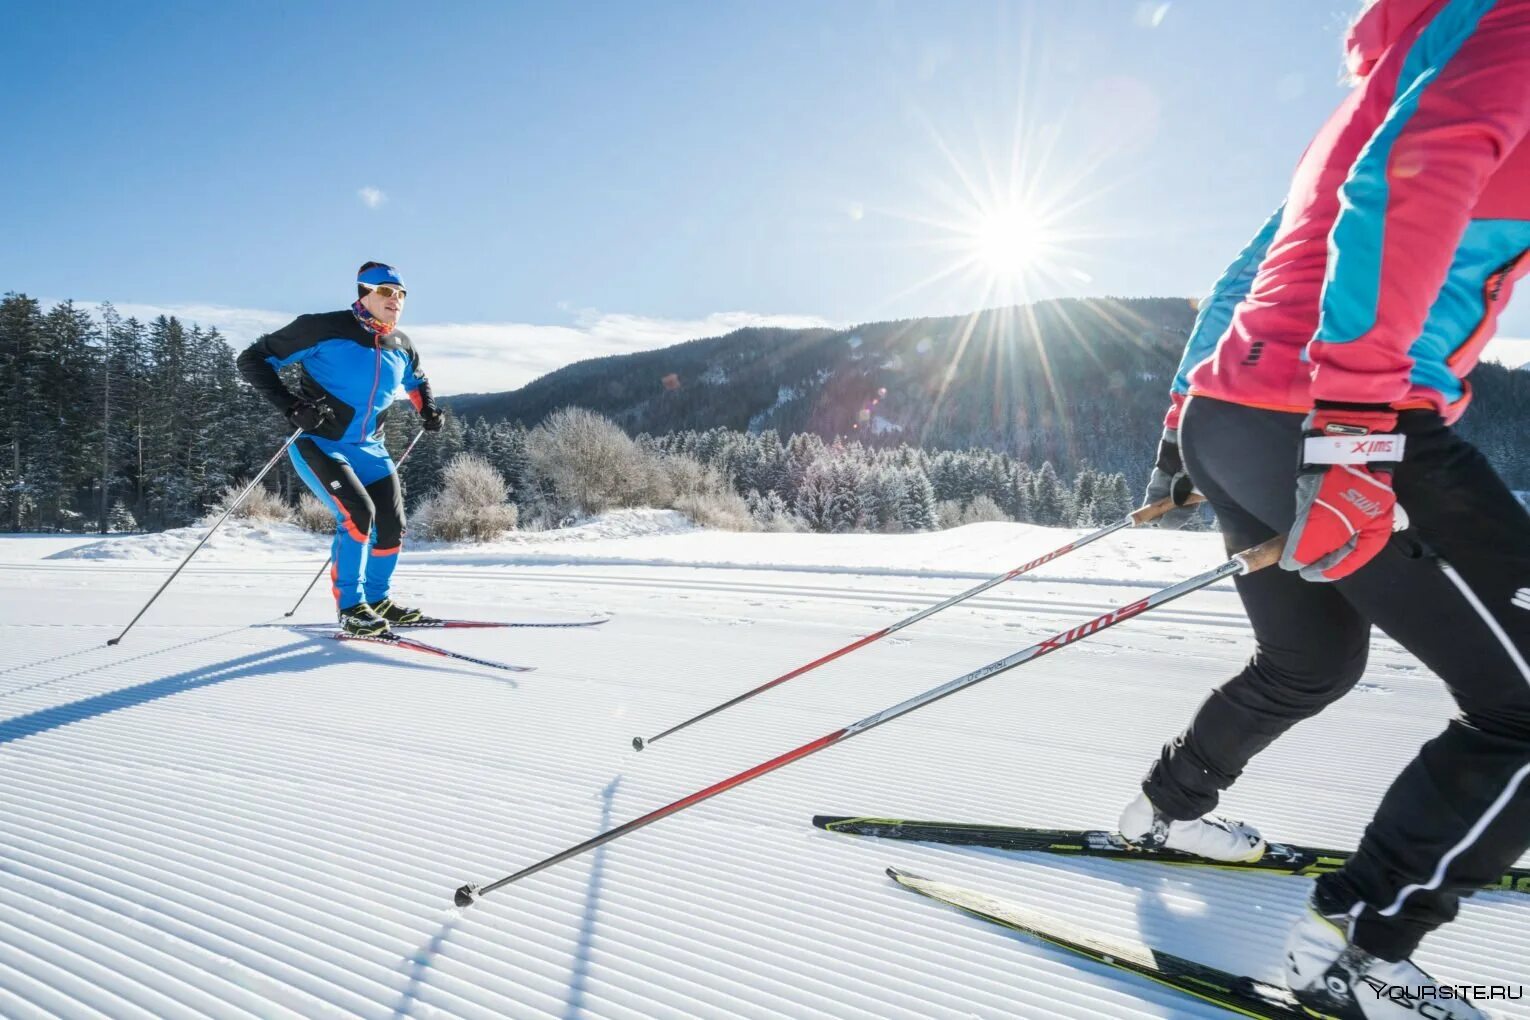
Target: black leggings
(1451,590)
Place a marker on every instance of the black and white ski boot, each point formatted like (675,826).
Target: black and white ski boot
(361,620)
(399,616)
(1332,977)
(1211,836)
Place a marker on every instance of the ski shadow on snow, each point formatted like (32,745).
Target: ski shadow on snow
(290,658)
(579,976)
(1190,911)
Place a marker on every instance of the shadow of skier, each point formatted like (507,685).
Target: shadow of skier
(289,658)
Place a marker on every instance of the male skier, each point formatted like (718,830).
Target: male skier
(1323,375)
(353,363)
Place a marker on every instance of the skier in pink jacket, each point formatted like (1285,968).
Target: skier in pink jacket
(1315,399)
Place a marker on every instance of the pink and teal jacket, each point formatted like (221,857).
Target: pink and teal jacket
(1380,278)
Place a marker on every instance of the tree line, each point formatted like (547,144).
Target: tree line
(118,424)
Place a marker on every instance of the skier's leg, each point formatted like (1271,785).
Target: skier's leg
(375,469)
(388,531)
(1452,590)
(332,481)
(1310,644)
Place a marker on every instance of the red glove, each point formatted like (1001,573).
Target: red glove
(1345,505)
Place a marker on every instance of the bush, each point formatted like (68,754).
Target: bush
(262,505)
(725,510)
(981,510)
(472,504)
(593,466)
(313,515)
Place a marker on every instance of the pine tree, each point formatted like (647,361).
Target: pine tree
(1047,497)
(918,511)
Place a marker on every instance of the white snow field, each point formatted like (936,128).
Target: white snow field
(229,817)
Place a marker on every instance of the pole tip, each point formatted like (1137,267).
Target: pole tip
(113,641)
(466,896)
(637,743)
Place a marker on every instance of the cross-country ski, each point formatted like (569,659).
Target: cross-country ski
(1278,858)
(410,644)
(1242,995)
(477,479)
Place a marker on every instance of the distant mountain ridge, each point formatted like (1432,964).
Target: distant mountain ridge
(1073,381)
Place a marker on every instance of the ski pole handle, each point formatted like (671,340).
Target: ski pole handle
(1262,555)
(1153,511)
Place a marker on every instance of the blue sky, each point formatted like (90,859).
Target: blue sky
(559,180)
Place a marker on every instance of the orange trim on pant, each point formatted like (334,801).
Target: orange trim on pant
(386,552)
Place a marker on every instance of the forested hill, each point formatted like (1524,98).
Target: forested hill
(1070,381)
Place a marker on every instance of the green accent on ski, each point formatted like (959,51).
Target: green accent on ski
(1241,995)
(1278,859)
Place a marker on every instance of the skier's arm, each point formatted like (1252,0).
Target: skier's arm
(259,361)
(416,384)
(1462,105)
(1217,310)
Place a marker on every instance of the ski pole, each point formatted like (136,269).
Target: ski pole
(1246,562)
(1143,515)
(231,508)
(401,458)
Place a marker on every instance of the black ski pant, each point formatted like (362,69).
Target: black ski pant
(1453,589)
(359,485)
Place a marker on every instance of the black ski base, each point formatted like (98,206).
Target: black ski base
(1278,859)
(1235,992)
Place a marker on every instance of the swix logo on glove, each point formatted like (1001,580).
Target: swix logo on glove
(1369,507)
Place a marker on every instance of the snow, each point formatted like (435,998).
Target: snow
(784,395)
(228,817)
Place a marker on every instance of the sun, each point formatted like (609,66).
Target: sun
(1008,242)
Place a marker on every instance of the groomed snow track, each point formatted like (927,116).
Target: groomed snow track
(230,820)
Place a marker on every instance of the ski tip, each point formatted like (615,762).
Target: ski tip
(466,896)
(905,878)
(637,743)
(827,822)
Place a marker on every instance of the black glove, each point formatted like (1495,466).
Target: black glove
(1171,480)
(432,418)
(308,415)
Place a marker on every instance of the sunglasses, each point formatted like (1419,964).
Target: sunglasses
(387,290)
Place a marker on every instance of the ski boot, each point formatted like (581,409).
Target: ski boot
(1332,977)
(361,620)
(398,616)
(1210,836)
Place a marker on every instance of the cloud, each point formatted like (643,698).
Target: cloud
(487,357)
(1508,351)
(371,197)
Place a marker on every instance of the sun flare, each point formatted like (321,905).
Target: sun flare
(1008,243)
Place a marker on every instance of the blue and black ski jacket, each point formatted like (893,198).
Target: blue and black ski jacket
(342,364)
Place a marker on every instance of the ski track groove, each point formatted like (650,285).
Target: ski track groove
(284,841)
